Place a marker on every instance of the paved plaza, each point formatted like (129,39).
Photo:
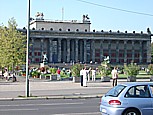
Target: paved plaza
(46,89)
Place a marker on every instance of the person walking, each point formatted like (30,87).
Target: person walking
(114,76)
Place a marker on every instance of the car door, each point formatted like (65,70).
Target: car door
(151,93)
(138,98)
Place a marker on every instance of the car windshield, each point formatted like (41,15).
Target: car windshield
(115,91)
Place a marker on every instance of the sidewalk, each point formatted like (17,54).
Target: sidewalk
(46,89)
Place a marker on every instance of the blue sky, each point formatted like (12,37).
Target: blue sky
(101,18)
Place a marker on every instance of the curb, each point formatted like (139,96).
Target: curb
(52,97)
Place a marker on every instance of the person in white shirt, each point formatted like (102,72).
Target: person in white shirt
(84,77)
(93,74)
(6,75)
(114,76)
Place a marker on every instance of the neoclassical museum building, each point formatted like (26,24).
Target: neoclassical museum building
(72,40)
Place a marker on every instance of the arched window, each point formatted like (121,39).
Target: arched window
(60,29)
(85,30)
(51,29)
(68,29)
(42,28)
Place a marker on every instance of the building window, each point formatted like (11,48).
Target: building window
(68,29)
(42,28)
(77,30)
(121,55)
(39,53)
(35,53)
(113,54)
(37,60)
(113,60)
(51,29)
(85,30)
(60,29)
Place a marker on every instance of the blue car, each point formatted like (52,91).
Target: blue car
(131,98)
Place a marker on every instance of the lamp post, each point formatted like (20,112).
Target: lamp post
(27,52)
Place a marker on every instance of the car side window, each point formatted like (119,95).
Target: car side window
(151,88)
(141,91)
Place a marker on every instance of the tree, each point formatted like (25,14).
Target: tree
(132,71)
(13,45)
(76,68)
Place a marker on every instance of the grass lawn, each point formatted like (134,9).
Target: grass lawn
(141,75)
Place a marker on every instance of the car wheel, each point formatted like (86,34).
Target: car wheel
(131,112)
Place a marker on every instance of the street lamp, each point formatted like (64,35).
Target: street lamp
(27,52)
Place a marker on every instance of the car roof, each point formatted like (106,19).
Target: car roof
(136,83)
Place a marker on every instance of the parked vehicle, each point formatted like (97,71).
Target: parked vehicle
(132,98)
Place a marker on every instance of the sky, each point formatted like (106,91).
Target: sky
(122,15)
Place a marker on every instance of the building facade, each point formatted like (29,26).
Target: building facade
(73,41)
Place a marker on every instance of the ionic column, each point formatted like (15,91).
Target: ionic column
(76,50)
(85,50)
(117,51)
(72,53)
(59,50)
(125,51)
(68,50)
(93,50)
(50,50)
(32,51)
(101,50)
(81,51)
(132,50)
(109,49)
(148,51)
(42,49)
(140,54)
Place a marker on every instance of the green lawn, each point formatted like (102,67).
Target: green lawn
(141,75)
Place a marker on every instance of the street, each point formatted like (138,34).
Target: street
(51,107)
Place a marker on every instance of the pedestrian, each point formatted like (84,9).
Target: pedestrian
(58,74)
(6,74)
(88,74)
(114,76)
(81,75)
(84,77)
(93,74)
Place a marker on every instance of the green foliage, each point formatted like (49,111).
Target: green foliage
(76,69)
(53,70)
(13,47)
(104,69)
(131,69)
(35,73)
(150,67)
